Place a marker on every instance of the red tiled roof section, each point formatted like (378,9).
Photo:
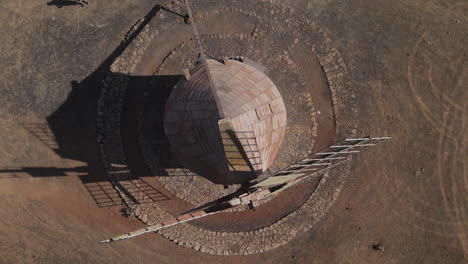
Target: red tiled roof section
(253,108)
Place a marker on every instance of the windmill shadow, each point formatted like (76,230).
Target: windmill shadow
(100,188)
(71,132)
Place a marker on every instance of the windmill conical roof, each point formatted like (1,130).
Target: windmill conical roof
(225,121)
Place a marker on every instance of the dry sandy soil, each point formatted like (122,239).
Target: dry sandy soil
(406,61)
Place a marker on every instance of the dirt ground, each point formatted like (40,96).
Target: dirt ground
(404,202)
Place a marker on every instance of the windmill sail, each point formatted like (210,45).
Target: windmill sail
(320,161)
(309,167)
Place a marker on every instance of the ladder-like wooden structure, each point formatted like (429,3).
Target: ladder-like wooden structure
(325,159)
(312,166)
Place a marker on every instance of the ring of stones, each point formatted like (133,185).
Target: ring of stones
(267,14)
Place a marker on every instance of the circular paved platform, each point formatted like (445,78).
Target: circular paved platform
(311,77)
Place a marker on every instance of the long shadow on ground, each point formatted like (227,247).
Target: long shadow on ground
(71,131)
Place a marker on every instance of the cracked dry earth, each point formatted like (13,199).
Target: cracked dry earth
(70,117)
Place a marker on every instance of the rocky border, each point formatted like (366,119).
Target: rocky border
(279,233)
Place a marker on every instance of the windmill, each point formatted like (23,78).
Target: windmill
(225,120)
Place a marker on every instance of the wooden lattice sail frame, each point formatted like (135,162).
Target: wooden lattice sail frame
(312,166)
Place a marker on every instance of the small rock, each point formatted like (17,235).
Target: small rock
(378,247)
(197,246)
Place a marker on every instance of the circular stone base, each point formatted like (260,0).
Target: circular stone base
(301,97)
(133,144)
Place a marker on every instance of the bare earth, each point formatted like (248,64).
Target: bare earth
(404,202)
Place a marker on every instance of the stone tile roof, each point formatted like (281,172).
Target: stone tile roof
(243,144)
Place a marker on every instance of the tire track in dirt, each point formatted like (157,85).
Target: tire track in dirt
(449,120)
